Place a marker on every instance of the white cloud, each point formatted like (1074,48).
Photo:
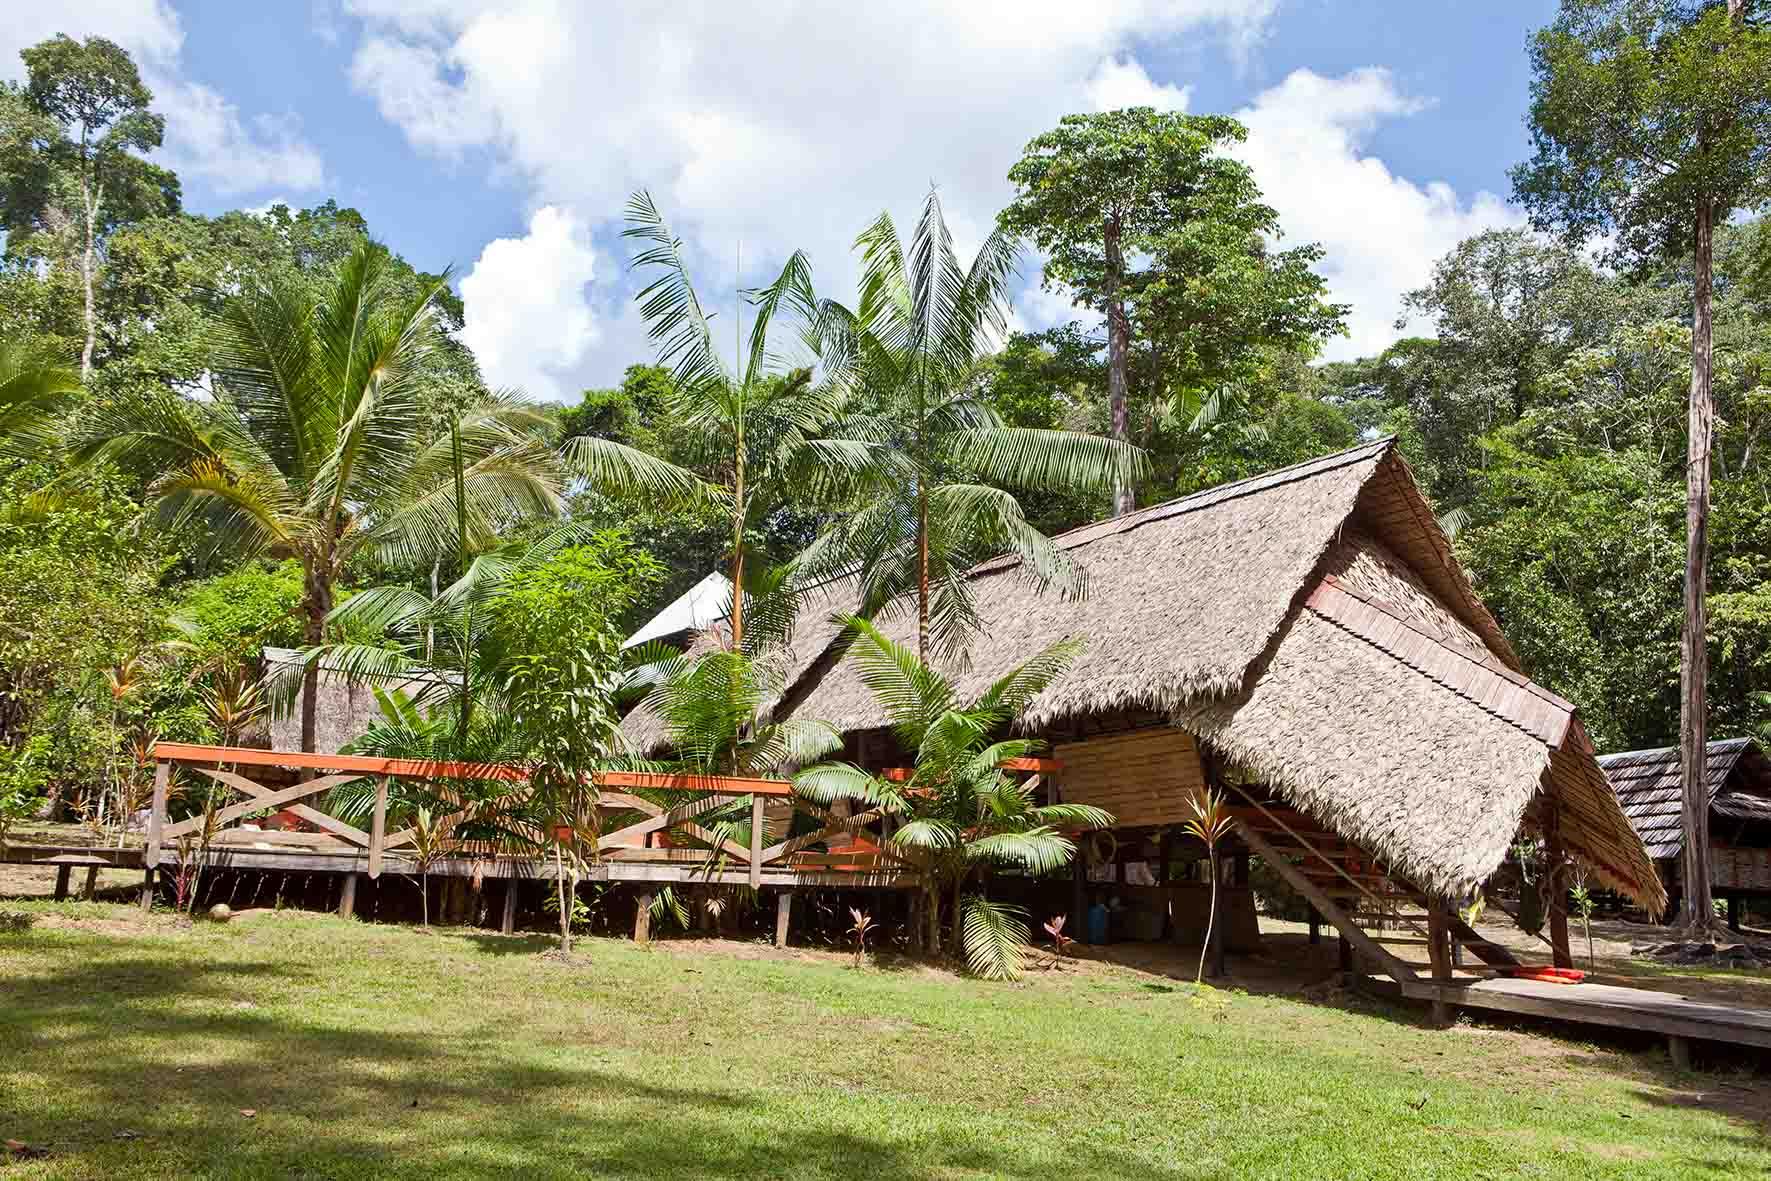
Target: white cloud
(1122,82)
(778,126)
(529,319)
(1381,233)
(207,138)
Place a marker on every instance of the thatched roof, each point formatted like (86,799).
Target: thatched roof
(1648,785)
(1312,624)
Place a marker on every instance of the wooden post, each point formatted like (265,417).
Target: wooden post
(63,874)
(1679,1050)
(90,891)
(508,924)
(147,888)
(1556,897)
(642,918)
(157,818)
(1734,912)
(1078,900)
(378,827)
(1315,925)
(347,896)
(783,910)
(1346,955)
(1438,934)
(756,842)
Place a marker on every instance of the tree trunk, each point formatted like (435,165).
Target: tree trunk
(424,897)
(922,572)
(958,918)
(1211,917)
(1694,662)
(738,541)
(1118,346)
(89,202)
(317,606)
(932,909)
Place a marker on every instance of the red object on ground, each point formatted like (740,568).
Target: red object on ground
(1547,975)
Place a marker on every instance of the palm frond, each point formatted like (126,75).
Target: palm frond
(995,936)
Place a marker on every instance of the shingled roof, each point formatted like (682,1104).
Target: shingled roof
(1313,624)
(1648,786)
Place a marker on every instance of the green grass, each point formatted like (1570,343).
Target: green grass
(130,1050)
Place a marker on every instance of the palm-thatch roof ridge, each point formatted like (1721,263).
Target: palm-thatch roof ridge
(1313,624)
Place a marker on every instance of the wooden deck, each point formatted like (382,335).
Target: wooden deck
(1679,1018)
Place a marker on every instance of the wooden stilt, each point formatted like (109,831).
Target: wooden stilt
(1734,912)
(91,889)
(1346,955)
(642,918)
(1555,884)
(783,911)
(1679,1050)
(147,889)
(63,875)
(1315,926)
(347,896)
(508,924)
(1439,953)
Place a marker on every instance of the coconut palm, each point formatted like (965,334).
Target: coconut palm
(910,349)
(35,386)
(312,443)
(959,813)
(763,424)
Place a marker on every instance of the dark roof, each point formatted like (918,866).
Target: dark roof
(1736,772)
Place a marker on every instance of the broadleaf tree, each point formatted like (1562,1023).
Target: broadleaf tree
(1651,125)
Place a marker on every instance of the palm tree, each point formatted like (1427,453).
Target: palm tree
(910,349)
(312,444)
(959,814)
(35,385)
(762,424)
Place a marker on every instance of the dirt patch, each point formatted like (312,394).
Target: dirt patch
(108,923)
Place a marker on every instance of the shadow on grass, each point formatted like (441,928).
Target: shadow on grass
(143,1063)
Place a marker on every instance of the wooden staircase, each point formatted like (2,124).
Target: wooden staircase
(1387,907)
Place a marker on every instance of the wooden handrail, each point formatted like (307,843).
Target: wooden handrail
(1042,766)
(185,752)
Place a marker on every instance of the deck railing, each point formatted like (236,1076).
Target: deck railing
(642,819)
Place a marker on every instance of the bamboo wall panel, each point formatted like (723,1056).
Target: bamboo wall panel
(1142,777)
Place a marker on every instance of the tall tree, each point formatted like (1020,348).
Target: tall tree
(1651,122)
(1099,190)
(763,425)
(93,119)
(911,348)
(310,444)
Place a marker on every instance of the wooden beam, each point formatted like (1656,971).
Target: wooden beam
(508,924)
(347,896)
(438,769)
(783,912)
(314,816)
(1334,914)
(253,803)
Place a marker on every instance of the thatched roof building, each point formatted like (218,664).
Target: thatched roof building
(1738,776)
(1312,626)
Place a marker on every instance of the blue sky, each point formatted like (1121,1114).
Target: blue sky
(504,137)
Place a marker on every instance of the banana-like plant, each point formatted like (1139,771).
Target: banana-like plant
(959,813)
(910,349)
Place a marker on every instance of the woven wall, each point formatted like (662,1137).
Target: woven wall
(1142,777)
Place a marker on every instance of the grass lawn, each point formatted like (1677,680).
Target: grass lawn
(137,1048)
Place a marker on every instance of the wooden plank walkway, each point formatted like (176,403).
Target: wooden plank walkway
(1608,1005)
